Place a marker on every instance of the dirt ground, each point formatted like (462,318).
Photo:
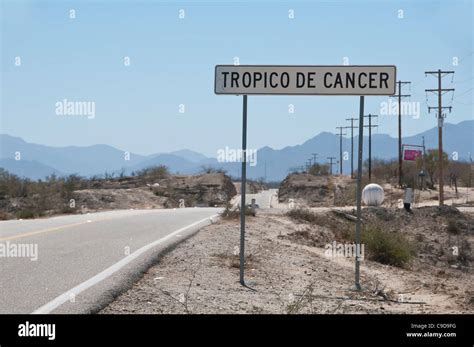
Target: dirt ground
(287,275)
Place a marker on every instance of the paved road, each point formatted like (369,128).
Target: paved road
(74,249)
(264,199)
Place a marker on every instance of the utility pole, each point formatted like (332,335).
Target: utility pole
(470,177)
(331,163)
(440,91)
(352,144)
(370,126)
(308,165)
(400,159)
(423,165)
(470,170)
(340,147)
(315,156)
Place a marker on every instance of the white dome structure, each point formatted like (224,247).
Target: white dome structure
(372,195)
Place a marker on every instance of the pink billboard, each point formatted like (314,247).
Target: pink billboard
(411,154)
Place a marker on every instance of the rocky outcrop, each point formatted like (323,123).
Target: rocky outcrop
(111,199)
(310,189)
(212,189)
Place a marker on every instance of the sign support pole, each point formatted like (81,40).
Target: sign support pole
(242,191)
(359,194)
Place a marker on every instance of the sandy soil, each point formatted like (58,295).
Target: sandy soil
(286,276)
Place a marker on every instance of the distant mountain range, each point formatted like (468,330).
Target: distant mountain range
(38,161)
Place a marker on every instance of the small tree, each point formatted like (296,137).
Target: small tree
(430,161)
(384,170)
(459,173)
(12,185)
(319,169)
(210,169)
(71,183)
(154,172)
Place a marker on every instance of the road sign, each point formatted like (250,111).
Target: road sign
(305,79)
(411,154)
(358,80)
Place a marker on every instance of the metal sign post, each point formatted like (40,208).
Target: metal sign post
(242,191)
(359,194)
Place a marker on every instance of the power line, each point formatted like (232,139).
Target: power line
(331,163)
(308,165)
(465,92)
(440,91)
(352,143)
(464,81)
(370,126)
(400,96)
(463,103)
(340,147)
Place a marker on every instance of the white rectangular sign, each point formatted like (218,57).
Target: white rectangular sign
(305,79)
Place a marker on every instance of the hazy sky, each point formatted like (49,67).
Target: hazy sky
(172,59)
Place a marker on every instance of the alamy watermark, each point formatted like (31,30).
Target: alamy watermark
(230,155)
(408,108)
(75,108)
(19,250)
(28,329)
(344,250)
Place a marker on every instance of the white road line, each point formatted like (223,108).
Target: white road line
(63,298)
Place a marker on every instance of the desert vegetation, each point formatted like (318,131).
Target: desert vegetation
(151,187)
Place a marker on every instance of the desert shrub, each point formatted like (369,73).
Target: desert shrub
(12,185)
(67,210)
(210,170)
(230,213)
(453,227)
(334,224)
(5,215)
(302,215)
(387,247)
(346,196)
(319,169)
(233,260)
(331,185)
(384,170)
(154,172)
(69,184)
(26,214)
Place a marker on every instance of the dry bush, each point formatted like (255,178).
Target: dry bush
(453,227)
(233,260)
(153,173)
(6,215)
(387,247)
(303,215)
(229,213)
